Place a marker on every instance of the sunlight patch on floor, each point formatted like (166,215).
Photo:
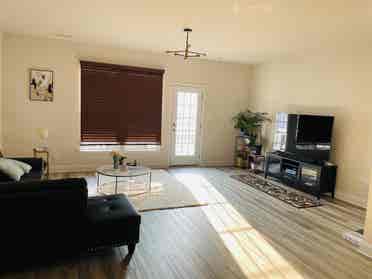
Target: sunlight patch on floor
(202,190)
(256,257)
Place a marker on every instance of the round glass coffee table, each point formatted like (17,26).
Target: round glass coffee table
(128,172)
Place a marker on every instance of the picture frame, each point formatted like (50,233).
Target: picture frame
(41,85)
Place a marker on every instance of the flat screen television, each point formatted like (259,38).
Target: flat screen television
(314,129)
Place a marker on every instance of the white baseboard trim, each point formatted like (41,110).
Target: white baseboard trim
(216,164)
(361,245)
(73,168)
(365,248)
(60,168)
(87,168)
(353,199)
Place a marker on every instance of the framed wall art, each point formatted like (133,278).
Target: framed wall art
(41,85)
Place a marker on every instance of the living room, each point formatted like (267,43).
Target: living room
(293,57)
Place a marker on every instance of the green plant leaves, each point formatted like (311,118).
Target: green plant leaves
(248,121)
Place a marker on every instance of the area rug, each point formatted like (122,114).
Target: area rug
(166,191)
(292,197)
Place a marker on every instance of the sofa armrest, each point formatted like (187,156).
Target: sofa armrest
(35,163)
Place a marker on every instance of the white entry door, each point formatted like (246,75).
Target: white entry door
(186,126)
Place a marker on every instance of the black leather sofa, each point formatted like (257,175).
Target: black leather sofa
(47,219)
(35,174)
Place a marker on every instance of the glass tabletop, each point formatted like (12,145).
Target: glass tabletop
(122,171)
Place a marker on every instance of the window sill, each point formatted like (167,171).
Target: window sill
(122,148)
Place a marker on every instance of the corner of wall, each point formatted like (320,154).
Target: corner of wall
(253,98)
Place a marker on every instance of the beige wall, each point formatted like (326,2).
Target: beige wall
(226,89)
(340,85)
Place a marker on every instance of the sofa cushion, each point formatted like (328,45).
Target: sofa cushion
(42,216)
(45,200)
(11,169)
(36,171)
(35,163)
(26,167)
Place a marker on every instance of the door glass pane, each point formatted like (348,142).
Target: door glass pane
(186,123)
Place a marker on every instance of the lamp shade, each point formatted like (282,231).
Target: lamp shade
(43,133)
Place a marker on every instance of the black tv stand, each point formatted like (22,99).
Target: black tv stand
(298,157)
(310,176)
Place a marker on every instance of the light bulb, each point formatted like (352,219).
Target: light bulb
(43,133)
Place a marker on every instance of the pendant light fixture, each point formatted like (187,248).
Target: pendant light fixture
(186,53)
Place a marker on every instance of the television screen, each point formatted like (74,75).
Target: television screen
(314,129)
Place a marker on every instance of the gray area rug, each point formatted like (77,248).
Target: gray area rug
(292,197)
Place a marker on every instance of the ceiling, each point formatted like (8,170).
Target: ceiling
(245,31)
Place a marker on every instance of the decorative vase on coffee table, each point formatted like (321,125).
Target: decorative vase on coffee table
(116,162)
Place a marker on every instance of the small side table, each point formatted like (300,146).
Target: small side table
(43,153)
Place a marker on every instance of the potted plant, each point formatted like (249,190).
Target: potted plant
(250,123)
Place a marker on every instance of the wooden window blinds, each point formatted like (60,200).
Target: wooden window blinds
(120,104)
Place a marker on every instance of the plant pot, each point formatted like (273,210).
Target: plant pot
(239,162)
(252,139)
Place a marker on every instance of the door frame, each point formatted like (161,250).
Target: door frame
(173,90)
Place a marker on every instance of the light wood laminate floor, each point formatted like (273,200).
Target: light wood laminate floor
(242,233)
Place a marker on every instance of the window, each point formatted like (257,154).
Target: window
(280,135)
(120,105)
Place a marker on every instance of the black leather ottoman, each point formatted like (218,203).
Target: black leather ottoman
(112,218)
